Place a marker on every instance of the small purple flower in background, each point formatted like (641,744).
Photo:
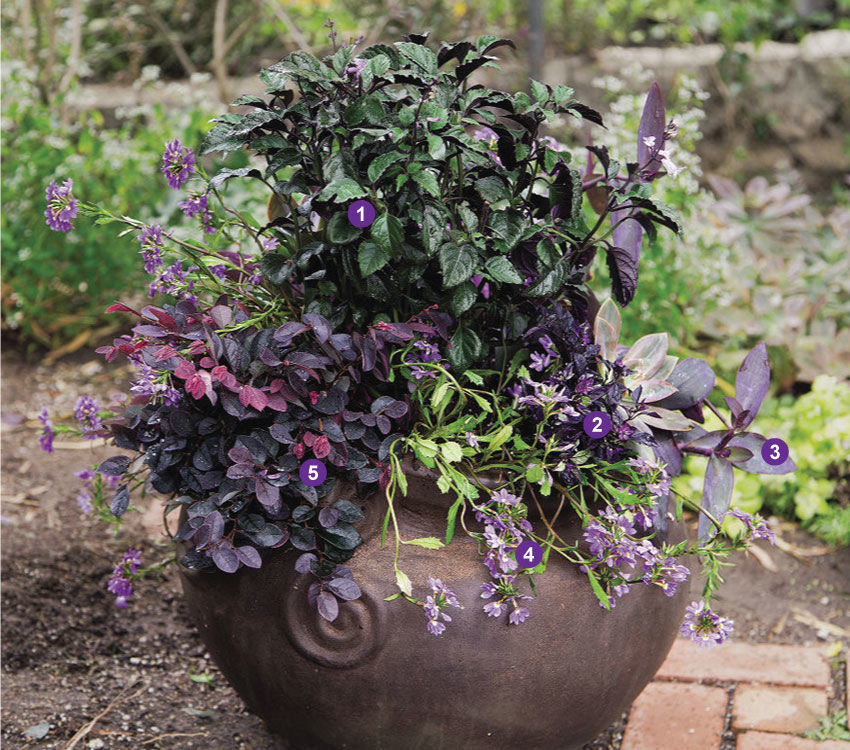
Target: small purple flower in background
(178,163)
(219,271)
(86,414)
(509,596)
(703,626)
(471,439)
(84,496)
(61,206)
(119,584)
(151,240)
(45,441)
(441,597)
(172,281)
(198,205)
(269,244)
(483,288)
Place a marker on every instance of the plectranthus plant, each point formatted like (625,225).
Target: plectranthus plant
(415,291)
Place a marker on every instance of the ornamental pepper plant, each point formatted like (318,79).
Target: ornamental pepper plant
(416,292)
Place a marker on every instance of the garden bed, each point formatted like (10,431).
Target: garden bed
(68,652)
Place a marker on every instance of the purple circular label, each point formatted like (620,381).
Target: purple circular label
(361,213)
(597,424)
(775,451)
(313,472)
(529,554)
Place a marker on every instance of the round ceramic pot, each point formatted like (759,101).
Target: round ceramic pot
(375,679)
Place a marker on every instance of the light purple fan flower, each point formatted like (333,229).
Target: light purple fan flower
(61,206)
(198,205)
(440,598)
(119,584)
(703,626)
(178,163)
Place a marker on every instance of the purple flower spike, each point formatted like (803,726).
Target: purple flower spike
(151,240)
(441,597)
(61,206)
(178,163)
(119,584)
(198,205)
(45,441)
(86,414)
(705,627)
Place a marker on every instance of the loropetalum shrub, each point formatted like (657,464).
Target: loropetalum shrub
(457,330)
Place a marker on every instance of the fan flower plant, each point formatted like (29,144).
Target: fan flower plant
(416,295)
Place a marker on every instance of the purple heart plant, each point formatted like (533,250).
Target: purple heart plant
(450,325)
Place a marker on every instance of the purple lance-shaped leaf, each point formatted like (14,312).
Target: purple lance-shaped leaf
(327,605)
(667,451)
(752,381)
(120,501)
(693,379)
(716,494)
(624,255)
(652,124)
(753,442)
(114,466)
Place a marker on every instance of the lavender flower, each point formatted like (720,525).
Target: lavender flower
(441,597)
(509,597)
(151,240)
(45,441)
(756,526)
(471,439)
(84,496)
(61,206)
(703,626)
(198,205)
(172,280)
(119,584)
(503,496)
(86,414)
(178,163)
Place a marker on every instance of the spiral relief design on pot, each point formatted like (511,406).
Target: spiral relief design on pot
(352,638)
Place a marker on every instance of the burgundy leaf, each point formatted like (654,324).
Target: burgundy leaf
(752,382)
(328,517)
(114,466)
(267,494)
(120,501)
(327,605)
(288,331)
(222,316)
(652,124)
(321,447)
(345,588)
(184,370)
(708,440)
(716,494)
(320,325)
(120,307)
(304,562)
(240,454)
(225,558)
(250,396)
(249,556)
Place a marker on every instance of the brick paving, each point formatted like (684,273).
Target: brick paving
(741,695)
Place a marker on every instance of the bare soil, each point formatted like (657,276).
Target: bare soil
(72,662)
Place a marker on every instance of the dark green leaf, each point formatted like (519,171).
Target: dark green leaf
(388,233)
(465,349)
(457,263)
(501,269)
(371,258)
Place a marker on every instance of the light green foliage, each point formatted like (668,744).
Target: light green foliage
(817,429)
(56,286)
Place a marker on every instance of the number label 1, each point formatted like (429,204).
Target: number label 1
(313,472)
(361,214)
(775,451)
(597,424)
(529,554)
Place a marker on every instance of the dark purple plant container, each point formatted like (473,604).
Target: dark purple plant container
(375,679)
